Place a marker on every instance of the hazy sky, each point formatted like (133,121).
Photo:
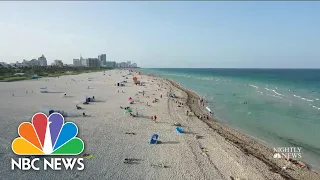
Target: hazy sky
(165,34)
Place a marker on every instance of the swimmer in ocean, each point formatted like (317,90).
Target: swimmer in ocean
(245,102)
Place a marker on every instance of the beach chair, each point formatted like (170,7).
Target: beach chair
(154,139)
(179,130)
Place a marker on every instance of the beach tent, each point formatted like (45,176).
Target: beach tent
(179,130)
(127,111)
(172,95)
(154,139)
(35,76)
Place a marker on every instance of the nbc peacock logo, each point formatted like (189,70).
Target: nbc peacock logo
(47,136)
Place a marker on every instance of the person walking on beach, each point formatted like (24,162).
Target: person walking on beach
(187,113)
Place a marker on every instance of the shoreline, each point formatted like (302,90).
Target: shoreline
(120,143)
(247,144)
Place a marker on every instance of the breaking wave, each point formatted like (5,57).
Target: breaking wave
(274,95)
(253,86)
(316,107)
(305,99)
(277,93)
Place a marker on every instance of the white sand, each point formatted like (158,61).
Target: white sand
(105,138)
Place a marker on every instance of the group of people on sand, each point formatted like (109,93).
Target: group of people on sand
(155,100)
(203,116)
(85,103)
(179,103)
(202,101)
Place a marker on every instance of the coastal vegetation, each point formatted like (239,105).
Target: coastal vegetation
(15,73)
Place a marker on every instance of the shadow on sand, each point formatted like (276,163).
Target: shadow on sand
(53,92)
(98,101)
(188,132)
(145,117)
(68,96)
(132,161)
(163,122)
(168,142)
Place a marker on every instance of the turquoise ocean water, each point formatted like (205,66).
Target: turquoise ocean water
(283,107)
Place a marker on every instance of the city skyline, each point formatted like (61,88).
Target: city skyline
(165,34)
(99,61)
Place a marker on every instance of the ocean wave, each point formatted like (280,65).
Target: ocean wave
(316,107)
(307,99)
(259,92)
(207,78)
(317,99)
(253,86)
(274,95)
(310,100)
(184,75)
(268,89)
(277,93)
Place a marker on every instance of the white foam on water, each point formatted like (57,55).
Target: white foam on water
(317,99)
(253,86)
(277,93)
(305,99)
(207,78)
(268,89)
(316,107)
(274,96)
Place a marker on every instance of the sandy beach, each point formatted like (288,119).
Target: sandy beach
(207,150)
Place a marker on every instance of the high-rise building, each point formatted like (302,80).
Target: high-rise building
(123,65)
(42,61)
(76,62)
(93,62)
(57,63)
(103,59)
(84,62)
(111,64)
(134,65)
(38,62)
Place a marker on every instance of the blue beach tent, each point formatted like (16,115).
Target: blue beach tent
(154,139)
(179,130)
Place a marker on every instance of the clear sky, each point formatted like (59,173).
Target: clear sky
(165,34)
